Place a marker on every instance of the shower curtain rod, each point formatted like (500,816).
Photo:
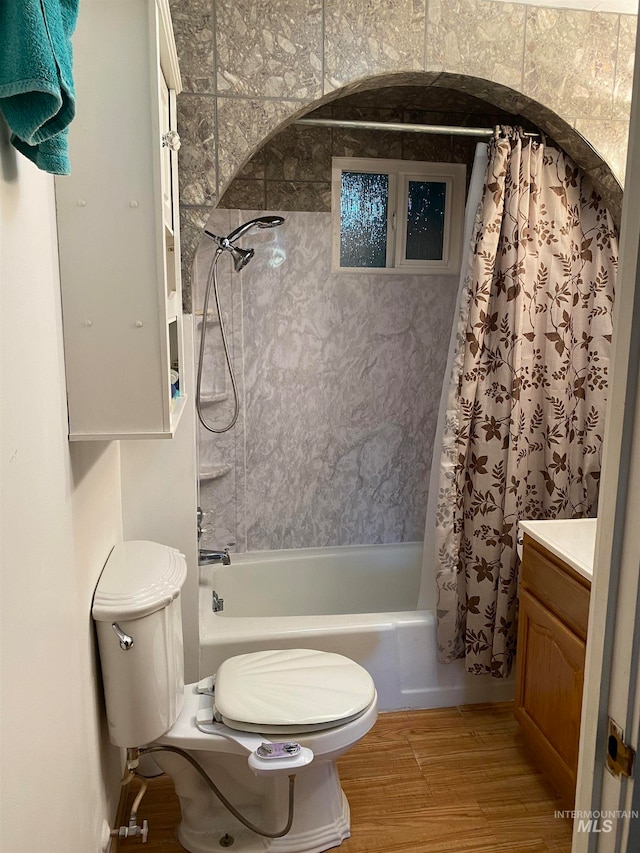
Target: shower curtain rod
(438,129)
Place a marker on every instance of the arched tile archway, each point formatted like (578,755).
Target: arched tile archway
(497,97)
(499,100)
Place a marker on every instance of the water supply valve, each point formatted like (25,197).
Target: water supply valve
(133,831)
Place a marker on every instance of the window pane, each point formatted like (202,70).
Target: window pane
(363,219)
(425,220)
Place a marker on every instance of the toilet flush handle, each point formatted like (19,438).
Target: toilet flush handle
(126,642)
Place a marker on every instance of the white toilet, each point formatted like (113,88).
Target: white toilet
(323,703)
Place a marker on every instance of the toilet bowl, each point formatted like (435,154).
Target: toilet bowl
(321,811)
(323,703)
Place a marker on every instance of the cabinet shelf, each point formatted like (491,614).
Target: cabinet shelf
(215,472)
(212,317)
(212,398)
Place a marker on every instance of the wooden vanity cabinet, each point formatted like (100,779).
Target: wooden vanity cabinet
(552,632)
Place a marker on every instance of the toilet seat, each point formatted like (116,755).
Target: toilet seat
(291,691)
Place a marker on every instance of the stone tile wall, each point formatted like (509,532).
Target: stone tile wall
(248,66)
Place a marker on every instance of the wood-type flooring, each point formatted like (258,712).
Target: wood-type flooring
(448,780)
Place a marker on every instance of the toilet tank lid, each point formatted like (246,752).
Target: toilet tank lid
(138,578)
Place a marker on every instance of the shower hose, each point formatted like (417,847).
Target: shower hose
(218,793)
(212,279)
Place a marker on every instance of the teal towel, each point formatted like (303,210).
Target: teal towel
(36,82)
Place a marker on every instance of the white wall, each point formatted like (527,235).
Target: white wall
(160,497)
(61,514)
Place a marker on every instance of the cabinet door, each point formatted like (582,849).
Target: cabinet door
(549,680)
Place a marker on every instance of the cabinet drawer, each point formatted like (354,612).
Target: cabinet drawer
(557,586)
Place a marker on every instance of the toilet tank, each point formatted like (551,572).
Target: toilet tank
(138,598)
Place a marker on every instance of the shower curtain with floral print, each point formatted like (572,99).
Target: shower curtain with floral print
(524,416)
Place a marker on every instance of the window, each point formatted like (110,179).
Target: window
(396,216)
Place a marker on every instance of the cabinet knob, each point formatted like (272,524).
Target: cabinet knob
(171,140)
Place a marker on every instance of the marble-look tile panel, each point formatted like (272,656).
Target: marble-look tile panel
(220,522)
(269,48)
(481,39)
(298,195)
(439,149)
(243,125)
(197,151)
(363,39)
(193,30)
(254,169)
(192,221)
(343,378)
(299,153)
(482,89)
(219,222)
(487,117)
(350,142)
(437,99)
(570,61)
(624,67)
(348,108)
(244,195)
(610,139)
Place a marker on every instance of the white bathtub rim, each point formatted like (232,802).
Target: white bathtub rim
(328,550)
(260,626)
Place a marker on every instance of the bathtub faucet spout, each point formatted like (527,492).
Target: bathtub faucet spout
(207,557)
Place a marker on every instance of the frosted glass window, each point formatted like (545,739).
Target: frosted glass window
(364,199)
(425,220)
(396,216)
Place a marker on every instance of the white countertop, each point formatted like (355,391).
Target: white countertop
(572,540)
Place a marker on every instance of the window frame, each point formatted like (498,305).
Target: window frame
(400,173)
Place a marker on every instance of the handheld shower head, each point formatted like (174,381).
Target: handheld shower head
(241,257)
(258,222)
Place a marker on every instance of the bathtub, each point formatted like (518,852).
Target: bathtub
(359,601)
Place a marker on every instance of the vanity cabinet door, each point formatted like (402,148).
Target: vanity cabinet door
(549,681)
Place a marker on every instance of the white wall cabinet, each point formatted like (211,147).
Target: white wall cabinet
(118,226)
